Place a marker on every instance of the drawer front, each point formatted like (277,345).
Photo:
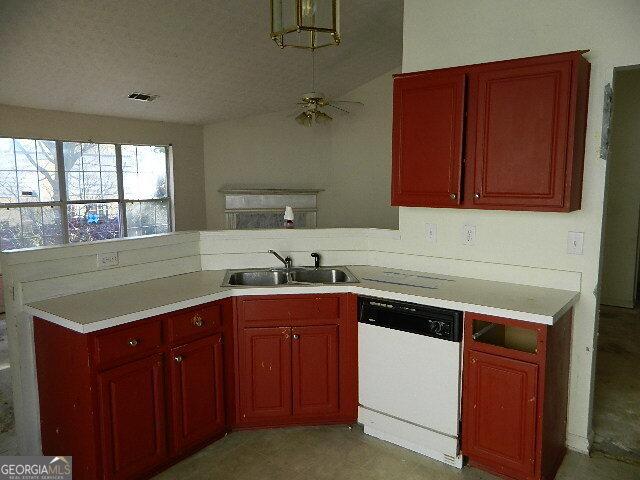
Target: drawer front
(128,343)
(194,323)
(290,309)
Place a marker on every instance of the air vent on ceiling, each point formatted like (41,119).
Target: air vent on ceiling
(143,97)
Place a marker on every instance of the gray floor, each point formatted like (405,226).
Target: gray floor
(339,453)
(616,416)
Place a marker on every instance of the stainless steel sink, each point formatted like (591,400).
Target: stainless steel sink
(321,275)
(280,276)
(257,278)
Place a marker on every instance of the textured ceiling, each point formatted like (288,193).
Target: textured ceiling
(208,60)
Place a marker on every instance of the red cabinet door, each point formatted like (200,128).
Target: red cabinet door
(197,398)
(133,417)
(521,111)
(428,120)
(499,413)
(315,370)
(265,373)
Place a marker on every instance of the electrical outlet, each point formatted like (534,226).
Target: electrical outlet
(106,260)
(469,235)
(575,243)
(432,232)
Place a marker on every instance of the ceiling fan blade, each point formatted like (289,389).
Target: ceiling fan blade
(346,101)
(338,108)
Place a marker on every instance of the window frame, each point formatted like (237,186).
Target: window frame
(121,200)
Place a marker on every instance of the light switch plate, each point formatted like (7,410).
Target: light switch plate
(575,243)
(106,260)
(431,233)
(469,235)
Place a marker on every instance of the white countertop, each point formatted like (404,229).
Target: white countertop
(108,307)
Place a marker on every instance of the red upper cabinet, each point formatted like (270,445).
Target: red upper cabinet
(523,136)
(428,118)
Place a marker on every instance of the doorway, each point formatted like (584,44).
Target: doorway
(616,415)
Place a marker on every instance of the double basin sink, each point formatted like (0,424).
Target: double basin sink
(262,277)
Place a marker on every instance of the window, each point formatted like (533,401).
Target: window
(54,192)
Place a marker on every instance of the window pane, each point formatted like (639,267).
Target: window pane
(93,221)
(28,186)
(7,157)
(147,218)
(144,171)
(49,186)
(26,157)
(107,157)
(30,227)
(35,179)
(90,171)
(8,187)
(47,155)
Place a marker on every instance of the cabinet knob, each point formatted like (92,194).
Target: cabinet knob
(133,342)
(197,321)
(453,196)
(296,336)
(178,358)
(477,195)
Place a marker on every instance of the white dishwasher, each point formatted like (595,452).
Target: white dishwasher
(409,376)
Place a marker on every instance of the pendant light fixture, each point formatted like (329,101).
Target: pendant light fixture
(309,24)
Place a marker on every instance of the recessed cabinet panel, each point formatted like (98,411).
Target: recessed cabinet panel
(427,139)
(197,391)
(315,370)
(521,142)
(133,418)
(500,411)
(266,373)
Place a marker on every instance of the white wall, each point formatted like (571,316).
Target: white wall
(349,159)
(443,33)
(186,140)
(268,151)
(622,203)
(359,190)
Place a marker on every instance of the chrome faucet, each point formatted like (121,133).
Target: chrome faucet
(288,263)
(316,259)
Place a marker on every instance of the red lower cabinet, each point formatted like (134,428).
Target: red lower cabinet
(197,397)
(139,397)
(132,407)
(144,395)
(298,360)
(265,384)
(315,370)
(502,426)
(514,396)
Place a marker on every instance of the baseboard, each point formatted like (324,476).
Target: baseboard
(580,444)
(617,302)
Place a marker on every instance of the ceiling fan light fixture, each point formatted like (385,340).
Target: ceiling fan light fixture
(308,24)
(322,118)
(305,119)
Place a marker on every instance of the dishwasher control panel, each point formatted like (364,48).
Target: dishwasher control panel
(434,322)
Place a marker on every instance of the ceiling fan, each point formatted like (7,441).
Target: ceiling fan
(313,103)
